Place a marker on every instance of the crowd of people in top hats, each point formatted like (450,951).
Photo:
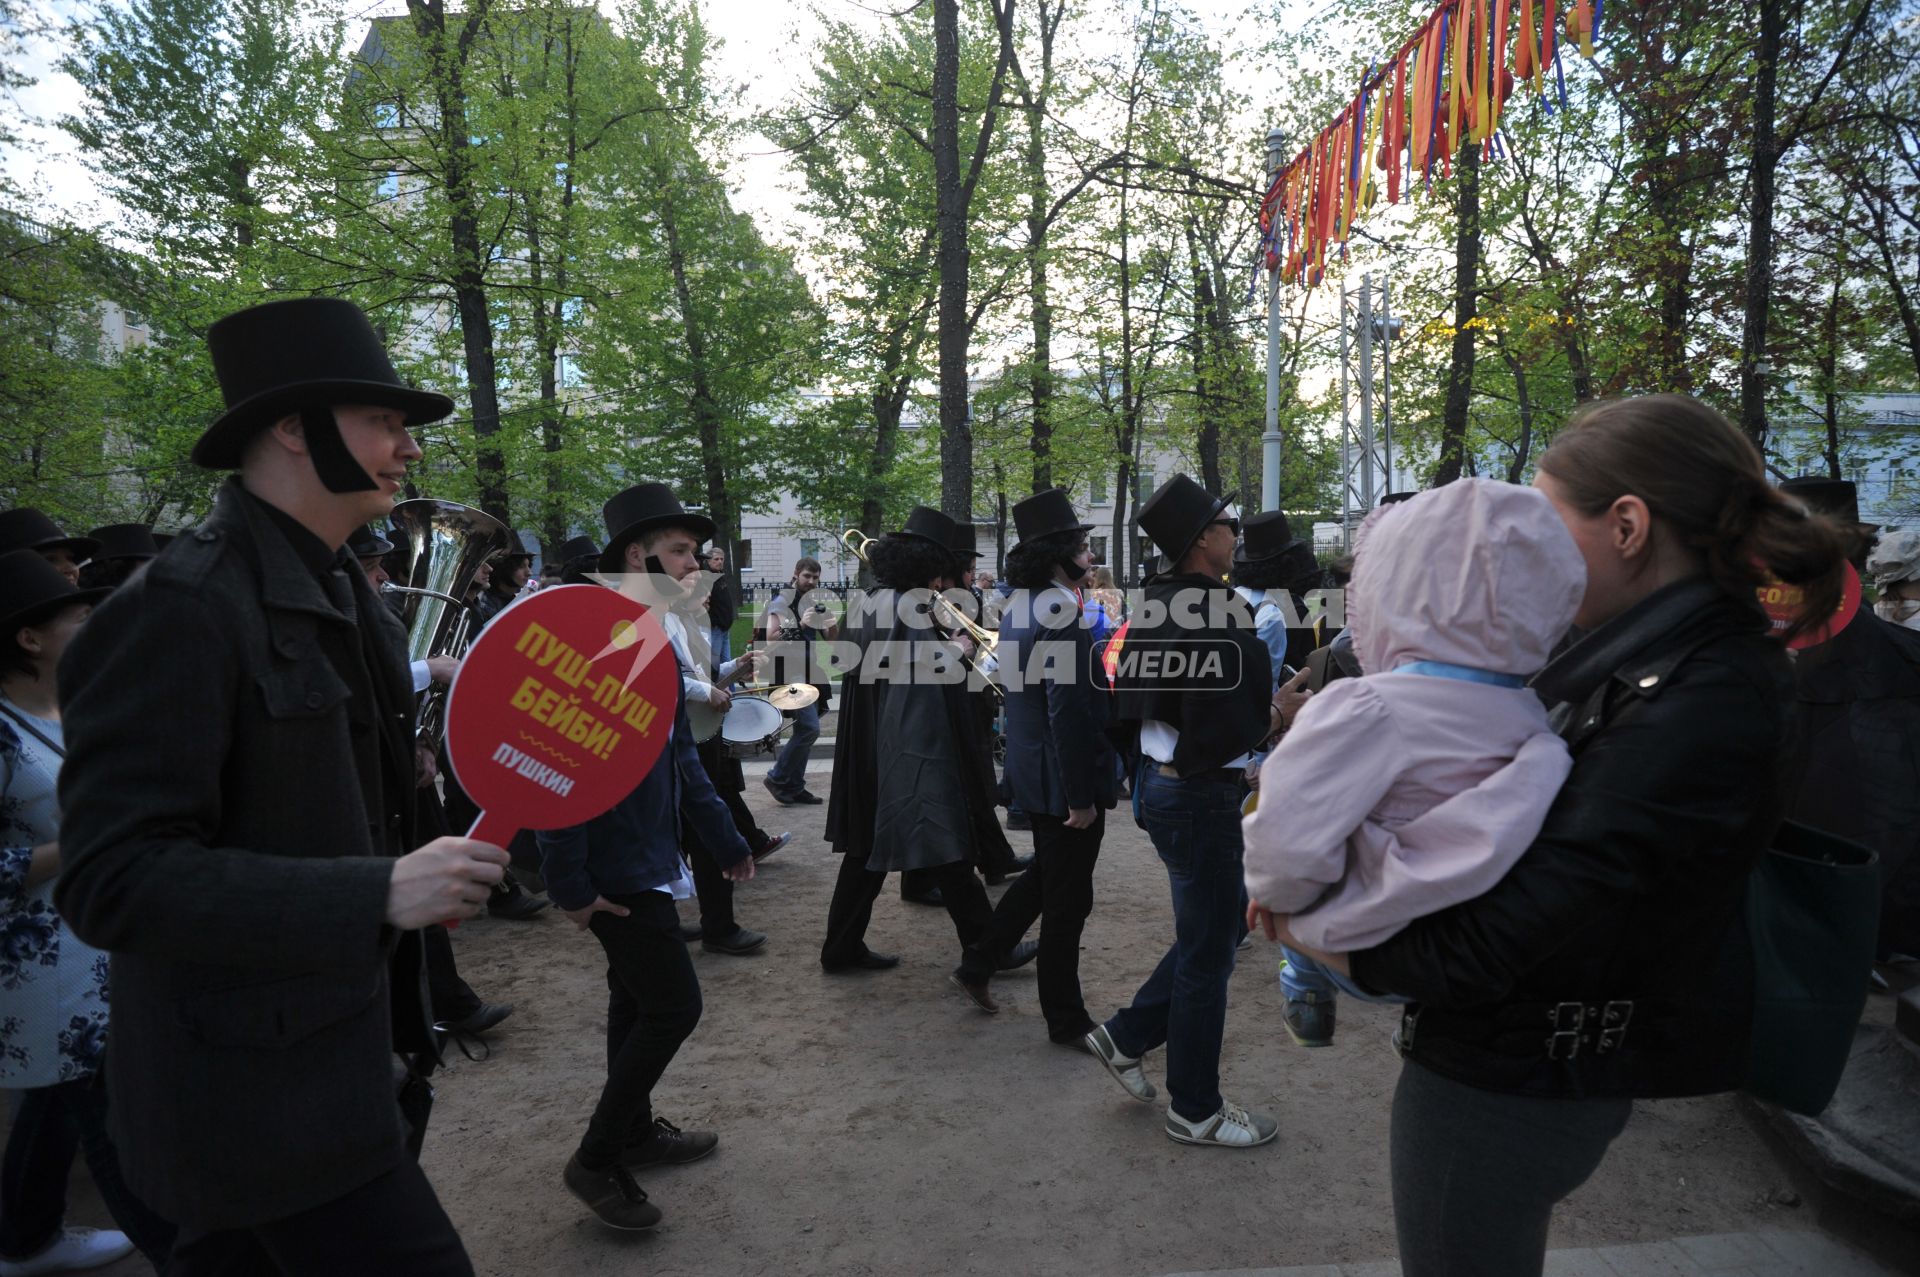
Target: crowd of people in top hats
(1530,773)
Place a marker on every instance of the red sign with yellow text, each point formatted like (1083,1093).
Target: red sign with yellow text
(560,708)
(1784,603)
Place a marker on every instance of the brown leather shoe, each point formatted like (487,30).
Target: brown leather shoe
(978,994)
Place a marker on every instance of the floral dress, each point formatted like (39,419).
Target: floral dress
(53,986)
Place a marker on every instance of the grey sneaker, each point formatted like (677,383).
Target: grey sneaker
(1125,1071)
(1309,1019)
(1231,1127)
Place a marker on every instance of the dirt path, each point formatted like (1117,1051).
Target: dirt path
(876,1124)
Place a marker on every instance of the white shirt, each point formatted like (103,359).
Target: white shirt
(1158,741)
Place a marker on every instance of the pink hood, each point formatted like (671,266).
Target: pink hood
(1476,573)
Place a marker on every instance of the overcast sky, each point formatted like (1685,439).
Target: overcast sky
(765,48)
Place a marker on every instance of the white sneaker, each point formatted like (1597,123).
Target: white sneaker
(1126,1071)
(1231,1127)
(73,1250)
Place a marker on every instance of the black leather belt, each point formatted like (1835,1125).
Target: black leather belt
(1228,775)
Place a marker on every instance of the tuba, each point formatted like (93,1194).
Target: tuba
(447,545)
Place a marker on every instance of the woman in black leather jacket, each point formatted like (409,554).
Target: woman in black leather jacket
(1601,968)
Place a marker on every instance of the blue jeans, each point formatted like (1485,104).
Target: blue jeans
(1300,974)
(1195,826)
(722,647)
(790,769)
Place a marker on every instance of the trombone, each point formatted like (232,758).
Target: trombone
(985,659)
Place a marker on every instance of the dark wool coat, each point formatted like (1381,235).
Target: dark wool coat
(218,842)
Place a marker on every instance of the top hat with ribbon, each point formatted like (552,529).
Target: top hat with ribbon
(927,524)
(282,356)
(577,548)
(1045,513)
(32,590)
(642,508)
(966,543)
(1264,536)
(125,541)
(1176,514)
(28,529)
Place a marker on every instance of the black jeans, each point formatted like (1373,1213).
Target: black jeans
(712,889)
(1476,1174)
(858,887)
(53,1125)
(653,1004)
(1057,890)
(391,1225)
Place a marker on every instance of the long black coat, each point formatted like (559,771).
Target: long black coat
(1058,755)
(1678,715)
(217,842)
(905,786)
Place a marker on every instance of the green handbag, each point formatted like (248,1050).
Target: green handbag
(1813,909)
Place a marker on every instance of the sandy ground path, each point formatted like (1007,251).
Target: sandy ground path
(878,1124)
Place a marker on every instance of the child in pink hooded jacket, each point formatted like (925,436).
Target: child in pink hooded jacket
(1458,596)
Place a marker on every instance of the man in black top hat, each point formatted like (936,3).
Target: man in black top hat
(25,528)
(1060,768)
(903,796)
(618,876)
(239,789)
(123,552)
(1197,730)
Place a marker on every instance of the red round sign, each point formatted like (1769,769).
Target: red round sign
(560,707)
(1784,603)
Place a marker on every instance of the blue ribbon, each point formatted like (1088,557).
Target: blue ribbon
(1464,673)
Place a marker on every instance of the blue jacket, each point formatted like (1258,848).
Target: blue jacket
(1058,755)
(635,845)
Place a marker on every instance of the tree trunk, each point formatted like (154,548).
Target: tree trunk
(1207,434)
(447,52)
(1040,374)
(953,256)
(706,411)
(1830,370)
(1766,159)
(1523,447)
(1466,248)
(1902,299)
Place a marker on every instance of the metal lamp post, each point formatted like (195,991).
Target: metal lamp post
(1270,441)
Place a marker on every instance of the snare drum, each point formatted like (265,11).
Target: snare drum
(751,727)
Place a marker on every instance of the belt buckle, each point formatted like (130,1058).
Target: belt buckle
(1567,1019)
(1614,1018)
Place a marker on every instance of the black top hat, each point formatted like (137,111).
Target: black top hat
(927,524)
(1045,513)
(28,529)
(160,539)
(642,508)
(516,549)
(1176,514)
(1264,536)
(966,541)
(1395,498)
(1837,498)
(125,541)
(364,543)
(279,357)
(31,590)
(578,548)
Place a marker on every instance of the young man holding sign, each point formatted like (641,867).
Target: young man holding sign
(618,875)
(238,788)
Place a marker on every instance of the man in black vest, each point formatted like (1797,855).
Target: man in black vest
(1197,731)
(238,788)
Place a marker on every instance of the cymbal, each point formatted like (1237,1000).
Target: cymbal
(793,696)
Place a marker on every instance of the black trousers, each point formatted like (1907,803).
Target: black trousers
(393,1225)
(858,887)
(452,997)
(1058,891)
(730,781)
(653,1004)
(711,888)
(1476,1174)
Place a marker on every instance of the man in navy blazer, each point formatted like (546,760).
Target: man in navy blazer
(618,876)
(1060,769)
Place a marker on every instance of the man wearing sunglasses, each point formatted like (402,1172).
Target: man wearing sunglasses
(1195,680)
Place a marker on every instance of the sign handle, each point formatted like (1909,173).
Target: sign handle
(488,828)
